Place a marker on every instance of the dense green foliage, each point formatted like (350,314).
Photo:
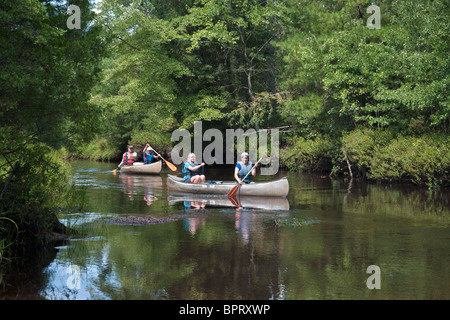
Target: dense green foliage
(173,64)
(314,66)
(140,69)
(388,84)
(46,75)
(422,159)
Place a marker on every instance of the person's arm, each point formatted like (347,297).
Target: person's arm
(236,174)
(254,170)
(121,162)
(196,167)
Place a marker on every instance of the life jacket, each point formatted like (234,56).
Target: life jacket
(244,170)
(127,161)
(188,173)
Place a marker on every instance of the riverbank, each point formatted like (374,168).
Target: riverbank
(379,155)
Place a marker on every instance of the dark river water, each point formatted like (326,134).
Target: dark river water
(330,239)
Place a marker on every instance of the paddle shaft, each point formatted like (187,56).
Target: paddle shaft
(235,189)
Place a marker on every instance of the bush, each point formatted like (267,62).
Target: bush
(309,155)
(423,160)
(98,149)
(159,141)
(38,185)
(360,144)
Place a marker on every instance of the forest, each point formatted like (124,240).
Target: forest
(354,99)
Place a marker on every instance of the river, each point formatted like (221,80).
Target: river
(330,239)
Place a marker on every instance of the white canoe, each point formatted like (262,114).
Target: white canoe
(139,167)
(275,188)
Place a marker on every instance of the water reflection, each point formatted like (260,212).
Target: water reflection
(70,281)
(248,202)
(243,224)
(136,185)
(193,205)
(246,210)
(219,250)
(192,224)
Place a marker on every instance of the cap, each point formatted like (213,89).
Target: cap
(131,147)
(243,154)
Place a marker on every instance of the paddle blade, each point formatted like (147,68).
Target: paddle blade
(234,201)
(234,190)
(170,165)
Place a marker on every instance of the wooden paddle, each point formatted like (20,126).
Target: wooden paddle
(170,165)
(234,201)
(236,188)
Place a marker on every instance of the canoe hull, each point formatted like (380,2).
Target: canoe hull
(276,188)
(152,168)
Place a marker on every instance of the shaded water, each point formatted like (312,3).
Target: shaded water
(211,250)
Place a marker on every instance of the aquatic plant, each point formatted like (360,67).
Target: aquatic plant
(293,222)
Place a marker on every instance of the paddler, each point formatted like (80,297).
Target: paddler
(243,167)
(191,170)
(128,158)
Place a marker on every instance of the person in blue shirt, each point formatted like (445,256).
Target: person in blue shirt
(243,167)
(149,155)
(191,170)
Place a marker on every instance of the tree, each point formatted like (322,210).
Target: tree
(339,70)
(341,77)
(235,39)
(46,74)
(138,90)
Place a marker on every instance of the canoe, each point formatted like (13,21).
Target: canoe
(275,188)
(247,202)
(139,167)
